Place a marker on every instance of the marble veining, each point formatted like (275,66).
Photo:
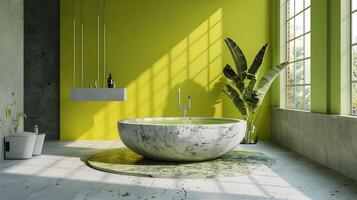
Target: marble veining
(182,141)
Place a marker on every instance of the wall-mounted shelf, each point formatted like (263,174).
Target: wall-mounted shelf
(99,94)
(93,94)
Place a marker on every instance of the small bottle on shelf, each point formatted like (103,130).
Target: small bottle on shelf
(110,81)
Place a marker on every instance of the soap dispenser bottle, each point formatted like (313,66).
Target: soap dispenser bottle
(110,81)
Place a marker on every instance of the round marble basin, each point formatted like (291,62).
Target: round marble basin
(182,139)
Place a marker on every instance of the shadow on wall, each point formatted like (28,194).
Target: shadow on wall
(194,64)
(203,102)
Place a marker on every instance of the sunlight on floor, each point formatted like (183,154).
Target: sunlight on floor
(64,161)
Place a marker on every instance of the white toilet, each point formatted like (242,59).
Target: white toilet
(20,145)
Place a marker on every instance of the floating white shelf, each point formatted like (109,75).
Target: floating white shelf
(99,94)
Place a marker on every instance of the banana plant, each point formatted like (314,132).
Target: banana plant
(245,89)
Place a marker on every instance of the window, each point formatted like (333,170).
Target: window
(298,90)
(354,55)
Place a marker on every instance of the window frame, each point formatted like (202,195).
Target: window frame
(286,19)
(351,45)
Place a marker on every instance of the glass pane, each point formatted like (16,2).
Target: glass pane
(291,8)
(299,48)
(354,27)
(307,20)
(354,5)
(299,97)
(307,3)
(307,45)
(290,74)
(307,71)
(299,24)
(307,98)
(354,63)
(290,97)
(290,51)
(291,29)
(354,98)
(299,72)
(299,6)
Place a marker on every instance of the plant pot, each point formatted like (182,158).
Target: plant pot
(251,134)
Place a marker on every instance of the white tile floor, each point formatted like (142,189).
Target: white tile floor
(60,173)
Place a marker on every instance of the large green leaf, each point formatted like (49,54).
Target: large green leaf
(255,101)
(268,79)
(251,85)
(238,57)
(232,76)
(257,60)
(236,99)
(248,95)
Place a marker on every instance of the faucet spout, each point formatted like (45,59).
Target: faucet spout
(185,108)
(22,115)
(20,122)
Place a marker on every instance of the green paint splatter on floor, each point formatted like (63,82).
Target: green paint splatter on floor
(125,162)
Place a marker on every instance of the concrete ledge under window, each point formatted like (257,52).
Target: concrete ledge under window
(328,139)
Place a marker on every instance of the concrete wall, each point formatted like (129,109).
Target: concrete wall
(328,139)
(41,57)
(11,66)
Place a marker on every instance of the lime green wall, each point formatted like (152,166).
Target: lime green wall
(153,47)
(319,53)
(334,41)
(275,40)
(325,55)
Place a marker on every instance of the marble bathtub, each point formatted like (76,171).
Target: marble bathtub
(182,139)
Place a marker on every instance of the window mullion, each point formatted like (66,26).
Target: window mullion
(296,14)
(297,37)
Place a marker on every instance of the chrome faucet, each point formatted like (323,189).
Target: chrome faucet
(20,122)
(184,107)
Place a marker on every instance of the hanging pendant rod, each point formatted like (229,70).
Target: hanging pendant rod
(104,43)
(98,44)
(82,46)
(104,52)
(74,44)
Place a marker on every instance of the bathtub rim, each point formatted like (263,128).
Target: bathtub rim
(141,121)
